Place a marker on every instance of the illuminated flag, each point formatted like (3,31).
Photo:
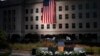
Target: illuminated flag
(49,12)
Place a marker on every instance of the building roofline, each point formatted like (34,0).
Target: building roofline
(11,3)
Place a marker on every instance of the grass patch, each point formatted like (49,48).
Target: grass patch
(6,54)
(29,46)
(95,50)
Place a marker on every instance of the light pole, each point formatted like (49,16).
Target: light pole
(2,2)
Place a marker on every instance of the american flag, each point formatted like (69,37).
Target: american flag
(49,12)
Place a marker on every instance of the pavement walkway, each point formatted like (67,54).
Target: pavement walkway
(20,53)
(28,53)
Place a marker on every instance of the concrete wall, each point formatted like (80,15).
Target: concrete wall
(63,21)
(20,23)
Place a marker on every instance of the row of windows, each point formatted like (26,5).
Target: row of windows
(80,25)
(67,7)
(9,16)
(79,15)
(79,7)
(9,19)
(9,27)
(9,12)
(67,16)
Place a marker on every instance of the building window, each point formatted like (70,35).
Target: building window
(66,16)
(31,18)
(87,15)
(4,12)
(14,19)
(95,25)
(80,25)
(42,26)
(66,8)
(5,19)
(87,25)
(9,27)
(60,16)
(73,7)
(80,6)
(9,19)
(13,12)
(26,11)
(31,11)
(37,10)
(80,15)
(9,12)
(41,18)
(66,25)
(87,6)
(94,5)
(41,10)
(73,16)
(14,27)
(94,14)
(60,26)
(48,26)
(60,8)
(26,27)
(73,25)
(37,26)
(26,18)
(31,27)
(37,18)
(54,26)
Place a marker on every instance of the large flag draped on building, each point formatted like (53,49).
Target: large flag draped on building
(49,12)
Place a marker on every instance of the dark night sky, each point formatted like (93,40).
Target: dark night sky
(2,0)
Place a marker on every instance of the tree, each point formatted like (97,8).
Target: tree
(15,38)
(2,36)
(3,40)
(35,38)
(27,38)
(31,38)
